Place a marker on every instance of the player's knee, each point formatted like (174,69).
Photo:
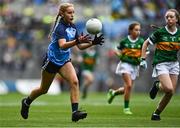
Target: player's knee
(75,82)
(169,91)
(90,82)
(128,87)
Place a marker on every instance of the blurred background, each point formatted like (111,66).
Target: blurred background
(25,25)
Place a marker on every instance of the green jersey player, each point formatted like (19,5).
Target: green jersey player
(88,65)
(165,61)
(129,52)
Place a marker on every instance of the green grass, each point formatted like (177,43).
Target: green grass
(55,111)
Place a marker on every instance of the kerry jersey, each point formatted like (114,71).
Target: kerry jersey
(131,50)
(167,45)
(56,54)
(89,59)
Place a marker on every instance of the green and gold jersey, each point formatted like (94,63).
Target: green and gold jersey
(131,50)
(89,60)
(167,45)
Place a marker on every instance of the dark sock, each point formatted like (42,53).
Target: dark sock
(126,104)
(158,112)
(28,101)
(74,107)
(117,93)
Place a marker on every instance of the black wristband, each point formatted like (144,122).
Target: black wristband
(143,58)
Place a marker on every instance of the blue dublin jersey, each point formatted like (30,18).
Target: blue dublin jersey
(56,54)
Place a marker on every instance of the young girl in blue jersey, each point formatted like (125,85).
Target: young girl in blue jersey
(165,61)
(64,35)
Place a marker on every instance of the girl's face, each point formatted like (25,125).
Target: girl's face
(69,14)
(135,32)
(170,18)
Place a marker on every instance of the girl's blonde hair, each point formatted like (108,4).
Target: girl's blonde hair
(62,9)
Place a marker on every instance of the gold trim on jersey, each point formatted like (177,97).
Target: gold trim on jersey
(168,46)
(89,61)
(131,52)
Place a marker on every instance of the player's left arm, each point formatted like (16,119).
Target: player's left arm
(83,41)
(98,40)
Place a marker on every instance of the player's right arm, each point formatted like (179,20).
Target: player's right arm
(117,52)
(144,48)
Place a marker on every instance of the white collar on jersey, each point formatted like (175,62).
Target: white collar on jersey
(172,33)
(133,41)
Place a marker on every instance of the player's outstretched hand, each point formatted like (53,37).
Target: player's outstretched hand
(98,40)
(84,38)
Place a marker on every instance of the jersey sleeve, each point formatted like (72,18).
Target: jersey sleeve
(60,32)
(120,46)
(141,40)
(153,37)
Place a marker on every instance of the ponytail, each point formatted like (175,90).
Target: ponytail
(154,26)
(57,17)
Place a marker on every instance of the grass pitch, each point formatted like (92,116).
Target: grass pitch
(55,111)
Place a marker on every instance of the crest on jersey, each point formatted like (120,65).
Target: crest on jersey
(71,32)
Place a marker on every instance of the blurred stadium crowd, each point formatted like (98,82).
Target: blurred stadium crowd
(25,25)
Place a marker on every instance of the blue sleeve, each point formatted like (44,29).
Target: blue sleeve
(60,32)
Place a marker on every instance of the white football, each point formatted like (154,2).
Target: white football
(93,26)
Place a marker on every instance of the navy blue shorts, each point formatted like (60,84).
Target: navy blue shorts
(50,67)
